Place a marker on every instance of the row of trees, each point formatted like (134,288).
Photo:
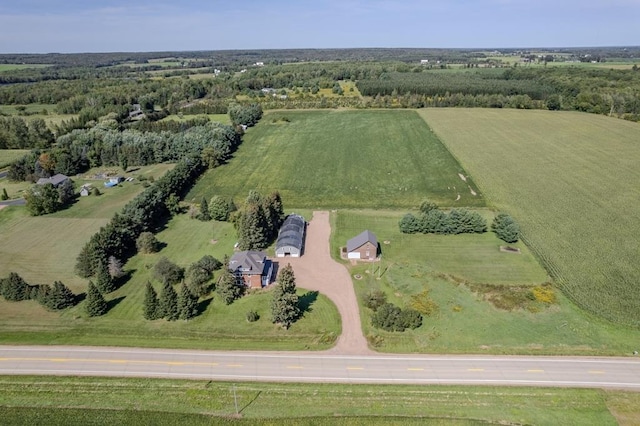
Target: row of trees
(143,213)
(431,220)
(15,289)
(169,305)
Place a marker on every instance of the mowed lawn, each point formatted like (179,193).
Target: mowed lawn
(572,181)
(465,322)
(343,159)
(219,326)
(44,248)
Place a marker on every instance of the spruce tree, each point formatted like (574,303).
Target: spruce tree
(284,303)
(169,303)
(188,303)
(227,288)
(252,232)
(95,304)
(59,297)
(104,282)
(4,196)
(150,307)
(204,210)
(14,288)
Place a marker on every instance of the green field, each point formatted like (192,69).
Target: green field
(218,327)
(8,156)
(43,111)
(345,159)
(220,118)
(11,67)
(465,321)
(66,400)
(572,181)
(44,248)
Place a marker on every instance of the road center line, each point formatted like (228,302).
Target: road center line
(535,371)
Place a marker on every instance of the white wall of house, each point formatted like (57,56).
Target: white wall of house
(353,255)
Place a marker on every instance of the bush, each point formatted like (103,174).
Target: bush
(252,316)
(147,243)
(389,317)
(506,228)
(410,318)
(168,272)
(374,299)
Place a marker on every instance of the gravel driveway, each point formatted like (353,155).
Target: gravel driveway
(316,270)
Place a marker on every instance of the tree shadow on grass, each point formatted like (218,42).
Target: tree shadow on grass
(114,302)
(122,280)
(203,305)
(306,300)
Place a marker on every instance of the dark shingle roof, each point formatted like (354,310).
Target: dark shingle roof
(361,239)
(55,180)
(248,262)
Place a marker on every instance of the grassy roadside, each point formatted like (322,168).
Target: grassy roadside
(87,400)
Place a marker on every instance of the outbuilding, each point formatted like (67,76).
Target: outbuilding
(291,236)
(363,246)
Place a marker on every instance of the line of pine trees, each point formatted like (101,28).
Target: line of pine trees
(56,297)
(431,220)
(259,221)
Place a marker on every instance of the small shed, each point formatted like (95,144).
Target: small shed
(291,236)
(363,246)
(85,190)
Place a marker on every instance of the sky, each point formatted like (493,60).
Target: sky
(71,26)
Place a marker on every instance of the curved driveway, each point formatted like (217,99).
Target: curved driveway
(316,270)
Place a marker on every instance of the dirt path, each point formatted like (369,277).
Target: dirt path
(316,270)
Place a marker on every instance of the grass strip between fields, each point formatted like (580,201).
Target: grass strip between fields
(87,400)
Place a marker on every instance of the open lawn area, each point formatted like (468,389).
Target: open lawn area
(44,248)
(219,326)
(572,182)
(345,159)
(65,401)
(44,111)
(220,118)
(456,269)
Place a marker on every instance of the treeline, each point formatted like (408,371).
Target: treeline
(79,150)
(431,220)
(144,213)
(15,289)
(442,83)
(17,133)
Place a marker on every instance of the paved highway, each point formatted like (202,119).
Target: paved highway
(620,373)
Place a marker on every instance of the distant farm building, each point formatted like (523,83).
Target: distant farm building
(363,246)
(291,237)
(251,268)
(55,180)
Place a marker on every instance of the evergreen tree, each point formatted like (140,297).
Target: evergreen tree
(115,267)
(4,196)
(14,288)
(506,228)
(284,303)
(169,302)
(204,210)
(95,304)
(83,262)
(59,297)
(227,288)
(274,214)
(188,303)
(104,282)
(150,307)
(252,228)
(221,208)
